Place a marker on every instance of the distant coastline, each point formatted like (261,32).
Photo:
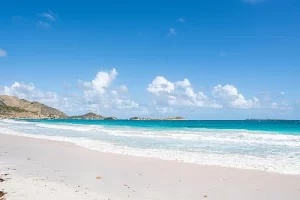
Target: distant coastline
(257,119)
(12,107)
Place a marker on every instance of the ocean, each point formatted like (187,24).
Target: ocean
(272,146)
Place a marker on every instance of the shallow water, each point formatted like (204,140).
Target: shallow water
(272,146)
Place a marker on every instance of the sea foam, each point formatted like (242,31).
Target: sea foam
(71,127)
(227,148)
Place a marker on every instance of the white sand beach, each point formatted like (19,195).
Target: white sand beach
(38,169)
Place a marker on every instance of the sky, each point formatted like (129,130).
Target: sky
(205,59)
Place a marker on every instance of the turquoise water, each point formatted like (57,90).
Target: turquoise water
(280,126)
(272,146)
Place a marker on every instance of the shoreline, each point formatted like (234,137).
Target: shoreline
(203,159)
(68,170)
(59,142)
(248,162)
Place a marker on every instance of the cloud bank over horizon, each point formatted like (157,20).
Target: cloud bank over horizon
(101,95)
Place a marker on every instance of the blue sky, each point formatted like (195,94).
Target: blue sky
(206,59)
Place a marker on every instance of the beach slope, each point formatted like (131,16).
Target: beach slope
(41,169)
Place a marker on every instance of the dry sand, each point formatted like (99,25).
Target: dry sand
(39,169)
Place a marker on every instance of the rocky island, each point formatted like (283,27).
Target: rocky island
(92,116)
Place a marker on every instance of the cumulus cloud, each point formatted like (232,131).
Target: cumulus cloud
(178,93)
(160,85)
(96,95)
(181,93)
(2,53)
(103,96)
(99,95)
(102,81)
(230,97)
(30,92)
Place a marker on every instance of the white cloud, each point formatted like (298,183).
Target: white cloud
(99,95)
(230,97)
(101,82)
(114,92)
(44,24)
(160,85)
(253,1)
(179,93)
(164,109)
(181,20)
(49,16)
(102,96)
(172,32)
(184,84)
(281,106)
(123,103)
(2,53)
(275,101)
(123,88)
(30,92)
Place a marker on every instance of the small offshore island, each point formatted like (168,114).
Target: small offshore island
(254,119)
(12,107)
(169,118)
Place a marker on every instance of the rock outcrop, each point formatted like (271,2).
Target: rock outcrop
(13,107)
(92,116)
(88,116)
(110,118)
